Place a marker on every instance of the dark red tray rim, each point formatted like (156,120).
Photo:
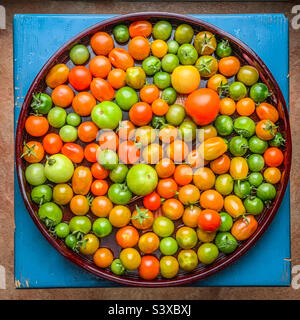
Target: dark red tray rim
(189,278)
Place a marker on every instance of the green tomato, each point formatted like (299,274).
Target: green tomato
(186,237)
(163,226)
(117,267)
(126,97)
(175,115)
(259,92)
(80,224)
(255,179)
(253,205)
(238,146)
(266,192)
(226,222)
(169,95)
(237,91)
(108,159)
(71,241)
(248,75)
(208,253)
(187,54)
(169,62)
(188,260)
(184,33)
(50,213)
(224,125)
(73,119)
(187,131)
(256,145)
(68,133)
(242,189)
(244,126)
(35,174)
(207,66)
(224,184)
(41,103)
(41,194)
(256,162)
(162,30)
(169,267)
(106,115)
(102,227)
(119,173)
(62,230)
(151,65)
(79,54)
(135,77)
(119,194)
(57,117)
(162,80)
(223,49)
(141,179)
(226,242)
(121,33)
(59,168)
(158,121)
(168,246)
(277,141)
(173,46)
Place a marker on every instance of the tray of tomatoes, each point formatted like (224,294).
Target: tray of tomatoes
(153,149)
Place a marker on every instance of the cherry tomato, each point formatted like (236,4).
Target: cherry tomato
(169,267)
(266,129)
(100,67)
(57,75)
(83,103)
(186,237)
(149,267)
(90,152)
(130,258)
(119,216)
(183,174)
(98,171)
(167,133)
(229,66)
(140,28)
(159,48)
(33,151)
(234,206)
(80,78)
(159,107)
(165,168)
(245,107)
(102,90)
(82,180)
(244,227)
(87,131)
(52,143)
(91,244)
(273,157)
(128,152)
(209,220)
(79,205)
(139,48)
(116,78)
(220,165)
(142,218)
(99,187)
(108,140)
(102,43)
(152,201)
(121,59)
(190,216)
(211,199)
(62,96)
(103,257)
(217,83)
(272,175)
(125,130)
(101,206)
(177,151)
(266,111)
(127,237)
(149,93)
(167,188)
(140,114)
(73,151)
(227,106)
(36,126)
(172,209)
(204,178)
(62,194)
(148,242)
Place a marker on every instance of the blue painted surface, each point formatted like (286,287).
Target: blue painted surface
(37,263)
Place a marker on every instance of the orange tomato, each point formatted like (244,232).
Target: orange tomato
(109,140)
(83,103)
(167,188)
(139,48)
(57,75)
(266,111)
(272,175)
(194,159)
(101,206)
(204,178)
(216,82)
(52,143)
(189,194)
(121,59)
(102,90)
(33,152)
(172,209)
(98,171)
(273,157)
(79,205)
(229,66)
(73,151)
(148,242)
(211,199)
(207,132)
(36,126)
(142,218)
(127,237)
(266,129)
(167,133)
(90,152)
(87,131)
(82,180)
(183,174)
(209,220)
(190,216)
(177,151)
(227,106)
(244,227)
(116,78)
(140,28)
(149,268)
(119,216)
(80,78)
(103,257)
(159,107)
(220,165)
(165,168)
(100,66)
(102,43)
(245,107)
(62,96)
(140,114)
(99,187)
(159,48)
(149,93)
(125,129)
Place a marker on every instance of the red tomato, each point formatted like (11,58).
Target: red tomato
(209,220)
(127,237)
(98,171)
(167,188)
(273,157)
(99,187)
(140,113)
(36,126)
(128,152)
(140,28)
(121,59)
(203,105)
(73,151)
(152,201)
(52,143)
(102,90)
(90,152)
(80,77)
(149,267)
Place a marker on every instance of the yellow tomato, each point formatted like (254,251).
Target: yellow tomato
(207,132)
(57,75)
(212,148)
(130,258)
(234,206)
(238,168)
(185,79)
(90,244)
(62,194)
(216,82)
(272,175)
(204,178)
(148,242)
(159,48)
(152,153)
(119,216)
(145,135)
(204,236)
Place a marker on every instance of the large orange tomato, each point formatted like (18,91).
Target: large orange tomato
(203,105)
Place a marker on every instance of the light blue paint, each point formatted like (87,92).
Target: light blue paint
(37,262)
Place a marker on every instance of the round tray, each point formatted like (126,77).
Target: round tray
(246,56)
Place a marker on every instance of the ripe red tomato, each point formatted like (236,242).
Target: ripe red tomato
(52,143)
(273,157)
(102,90)
(90,152)
(128,152)
(203,105)
(149,267)
(80,77)
(152,201)
(140,113)
(209,220)
(127,237)
(73,151)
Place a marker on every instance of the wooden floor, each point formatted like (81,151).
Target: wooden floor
(7,147)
